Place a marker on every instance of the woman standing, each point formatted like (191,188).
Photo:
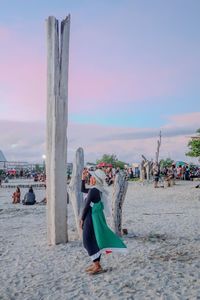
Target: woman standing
(97,236)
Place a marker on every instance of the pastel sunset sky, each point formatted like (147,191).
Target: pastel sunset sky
(134,70)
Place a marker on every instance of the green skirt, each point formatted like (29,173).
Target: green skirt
(107,240)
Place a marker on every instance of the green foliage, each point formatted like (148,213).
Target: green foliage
(166,162)
(111,159)
(198,131)
(38,168)
(194,146)
(119,164)
(90,163)
(134,179)
(107,158)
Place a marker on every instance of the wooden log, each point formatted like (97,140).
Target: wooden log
(74,189)
(147,168)
(142,170)
(56,138)
(158,147)
(119,193)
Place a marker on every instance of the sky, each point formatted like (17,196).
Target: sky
(134,69)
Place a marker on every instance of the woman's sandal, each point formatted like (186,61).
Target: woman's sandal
(97,271)
(90,268)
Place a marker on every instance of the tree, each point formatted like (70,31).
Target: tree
(166,162)
(38,168)
(194,145)
(120,164)
(111,159)
(107,158)
(198,131)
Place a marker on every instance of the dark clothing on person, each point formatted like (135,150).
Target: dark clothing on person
(93,196)
(187,174)
(156,174)
(89,239)
(29,198)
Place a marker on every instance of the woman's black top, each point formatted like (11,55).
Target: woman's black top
(93,196)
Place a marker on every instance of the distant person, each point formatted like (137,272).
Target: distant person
(6,179)
(36,177)
(187,173)
(16,196)
(109,176)
(169,177)
(137,172)
(156,174)
(29,198)
(179,172)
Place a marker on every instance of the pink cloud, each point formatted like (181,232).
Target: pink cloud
(22,79)
(25,141)
(189,120)
(93,84)
(141,84)
(129,143)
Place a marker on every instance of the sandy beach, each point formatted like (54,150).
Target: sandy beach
(163,241)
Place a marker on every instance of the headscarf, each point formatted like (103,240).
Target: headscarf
(100,176)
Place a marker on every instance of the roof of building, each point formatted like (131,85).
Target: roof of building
(2,157)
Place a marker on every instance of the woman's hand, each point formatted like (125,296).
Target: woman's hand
(84,174)
(81,224)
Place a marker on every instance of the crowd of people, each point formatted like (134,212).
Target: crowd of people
(110,173)
(163,174)
(5,176)
(173,172)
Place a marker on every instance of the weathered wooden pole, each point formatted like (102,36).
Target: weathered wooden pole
(119,193)
(56,140)
(145,169)
(142,170)
(75,194)
(158,147)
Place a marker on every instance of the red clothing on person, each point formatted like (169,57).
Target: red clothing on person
(16,197)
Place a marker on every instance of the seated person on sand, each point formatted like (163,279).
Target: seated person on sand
(16,196)
(29,198)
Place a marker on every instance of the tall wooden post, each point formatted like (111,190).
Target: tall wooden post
(158,148)
(75,194)
(56,139)
(119,193)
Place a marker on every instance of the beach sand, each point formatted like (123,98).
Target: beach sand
(163,241)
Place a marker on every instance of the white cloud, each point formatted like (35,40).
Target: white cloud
(25,141)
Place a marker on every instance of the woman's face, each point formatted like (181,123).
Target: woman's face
(92,180)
